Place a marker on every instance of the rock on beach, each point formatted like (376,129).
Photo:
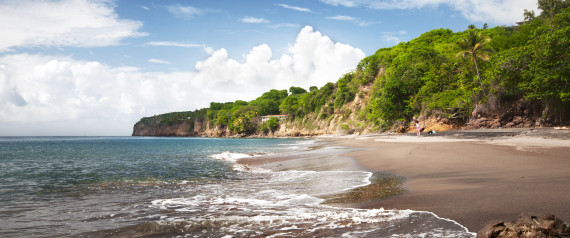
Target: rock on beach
(527,226)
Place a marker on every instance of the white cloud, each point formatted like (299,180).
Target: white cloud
(158,61)
(300,9)
(393,37)
(88,96)
(314,59)
(352,19)
(283,25)
(174,44)
(253,20)
(494,11)
(78,23)
(184,12)
(43,95)
(346,3)
(500,12)
(343,18)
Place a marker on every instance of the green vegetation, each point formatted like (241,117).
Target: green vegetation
(425,76)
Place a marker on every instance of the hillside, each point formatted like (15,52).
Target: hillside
(507,76)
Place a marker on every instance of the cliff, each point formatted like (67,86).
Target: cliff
(346,120)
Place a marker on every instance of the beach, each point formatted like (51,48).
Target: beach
(471,177)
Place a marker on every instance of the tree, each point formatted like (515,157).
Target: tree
(485,26)
(270,125)
(475,45)
(296,90)
(528,15)
(243,120)
(552,7)
(269,102)
(547,76)
(290,105)
(471,27)
(343,92)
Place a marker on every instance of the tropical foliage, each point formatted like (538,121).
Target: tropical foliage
(426,76)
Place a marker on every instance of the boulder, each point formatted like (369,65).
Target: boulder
(526,226)
(517,120)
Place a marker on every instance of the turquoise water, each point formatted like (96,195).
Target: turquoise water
(54,165)
(170,187)
(47,171)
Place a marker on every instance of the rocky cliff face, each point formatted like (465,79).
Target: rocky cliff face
(346,120)
(514,114)
(183,128)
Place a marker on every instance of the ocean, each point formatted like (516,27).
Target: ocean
(191,187)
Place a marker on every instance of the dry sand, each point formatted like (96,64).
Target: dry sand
(473,177)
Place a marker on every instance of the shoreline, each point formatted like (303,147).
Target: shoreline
(471,177)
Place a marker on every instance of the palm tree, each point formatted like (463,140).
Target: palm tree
(475,45)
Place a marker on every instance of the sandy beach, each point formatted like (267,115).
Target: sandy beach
(473,177)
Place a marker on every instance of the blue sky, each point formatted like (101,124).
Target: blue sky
(82,67)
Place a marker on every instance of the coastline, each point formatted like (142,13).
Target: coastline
(471,177)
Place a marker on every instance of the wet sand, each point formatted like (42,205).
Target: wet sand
(472,177)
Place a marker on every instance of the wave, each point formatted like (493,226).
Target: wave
(290,203)
(228,156)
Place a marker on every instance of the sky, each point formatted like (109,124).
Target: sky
(94,68)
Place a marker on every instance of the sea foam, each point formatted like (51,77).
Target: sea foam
(290,203)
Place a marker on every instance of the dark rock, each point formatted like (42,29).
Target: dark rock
(496,123)
(492,229)
(517,120)
(527,226)
(401,129)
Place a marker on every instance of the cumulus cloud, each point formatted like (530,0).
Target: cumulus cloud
(78,23)
(253,20)
(48,95)
(496,11)
(314,59)
(89,94)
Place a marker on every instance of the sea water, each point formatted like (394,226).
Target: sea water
(189,187)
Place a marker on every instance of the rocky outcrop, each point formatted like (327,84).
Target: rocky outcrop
(347,120)
(432,123)
(517,114)
(526,226)
(182,128)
